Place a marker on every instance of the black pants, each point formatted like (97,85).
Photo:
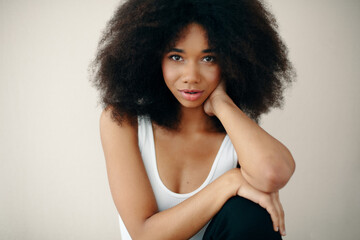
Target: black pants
(241,219)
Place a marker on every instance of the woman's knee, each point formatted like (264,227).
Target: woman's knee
(241,218)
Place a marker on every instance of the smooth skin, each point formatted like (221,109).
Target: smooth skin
(266,165)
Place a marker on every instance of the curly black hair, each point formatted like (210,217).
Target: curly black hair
(252,57)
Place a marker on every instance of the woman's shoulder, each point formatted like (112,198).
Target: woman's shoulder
(115,129)
(110,117)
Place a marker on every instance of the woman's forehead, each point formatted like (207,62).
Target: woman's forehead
(192,32)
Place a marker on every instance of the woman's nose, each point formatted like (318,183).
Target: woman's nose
(191,73)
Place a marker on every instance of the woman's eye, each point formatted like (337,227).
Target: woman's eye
(176,57)
(209,59)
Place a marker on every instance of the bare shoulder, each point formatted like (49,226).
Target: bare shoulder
(119,140)
(108,122)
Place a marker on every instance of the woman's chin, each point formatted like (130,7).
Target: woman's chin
(192,105)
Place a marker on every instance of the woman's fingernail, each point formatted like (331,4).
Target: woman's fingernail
(284,233)
(277,229)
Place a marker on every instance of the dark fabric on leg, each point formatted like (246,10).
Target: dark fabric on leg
(242,219)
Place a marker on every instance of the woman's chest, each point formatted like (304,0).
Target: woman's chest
(184,163)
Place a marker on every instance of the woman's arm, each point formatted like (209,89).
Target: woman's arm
(265,162)
(133,195)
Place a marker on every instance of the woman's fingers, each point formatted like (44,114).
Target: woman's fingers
(268,204)
(282,223)
(280,210)
(218,93)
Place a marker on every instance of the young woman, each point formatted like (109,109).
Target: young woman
(183,84)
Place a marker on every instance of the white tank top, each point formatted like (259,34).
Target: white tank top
(225,160)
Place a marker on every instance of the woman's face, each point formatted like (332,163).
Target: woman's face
(190,68)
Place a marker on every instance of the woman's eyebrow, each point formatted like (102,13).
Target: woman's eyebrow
(182,51)
(208,50)
(176,50)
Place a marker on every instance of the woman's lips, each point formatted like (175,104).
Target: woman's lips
(191,95)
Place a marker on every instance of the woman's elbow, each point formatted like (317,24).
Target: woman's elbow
(277,176)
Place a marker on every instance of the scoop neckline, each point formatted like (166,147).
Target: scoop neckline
(206,181)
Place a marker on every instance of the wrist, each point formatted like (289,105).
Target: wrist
(232,181)
(219,102)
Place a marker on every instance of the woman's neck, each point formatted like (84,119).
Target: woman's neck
(195,120)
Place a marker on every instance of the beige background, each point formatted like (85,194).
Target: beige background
(52,175)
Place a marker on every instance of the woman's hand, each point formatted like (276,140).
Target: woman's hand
(269,201)
(219,94)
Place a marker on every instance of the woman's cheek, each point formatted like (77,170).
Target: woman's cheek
(213,76)
(169,72)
